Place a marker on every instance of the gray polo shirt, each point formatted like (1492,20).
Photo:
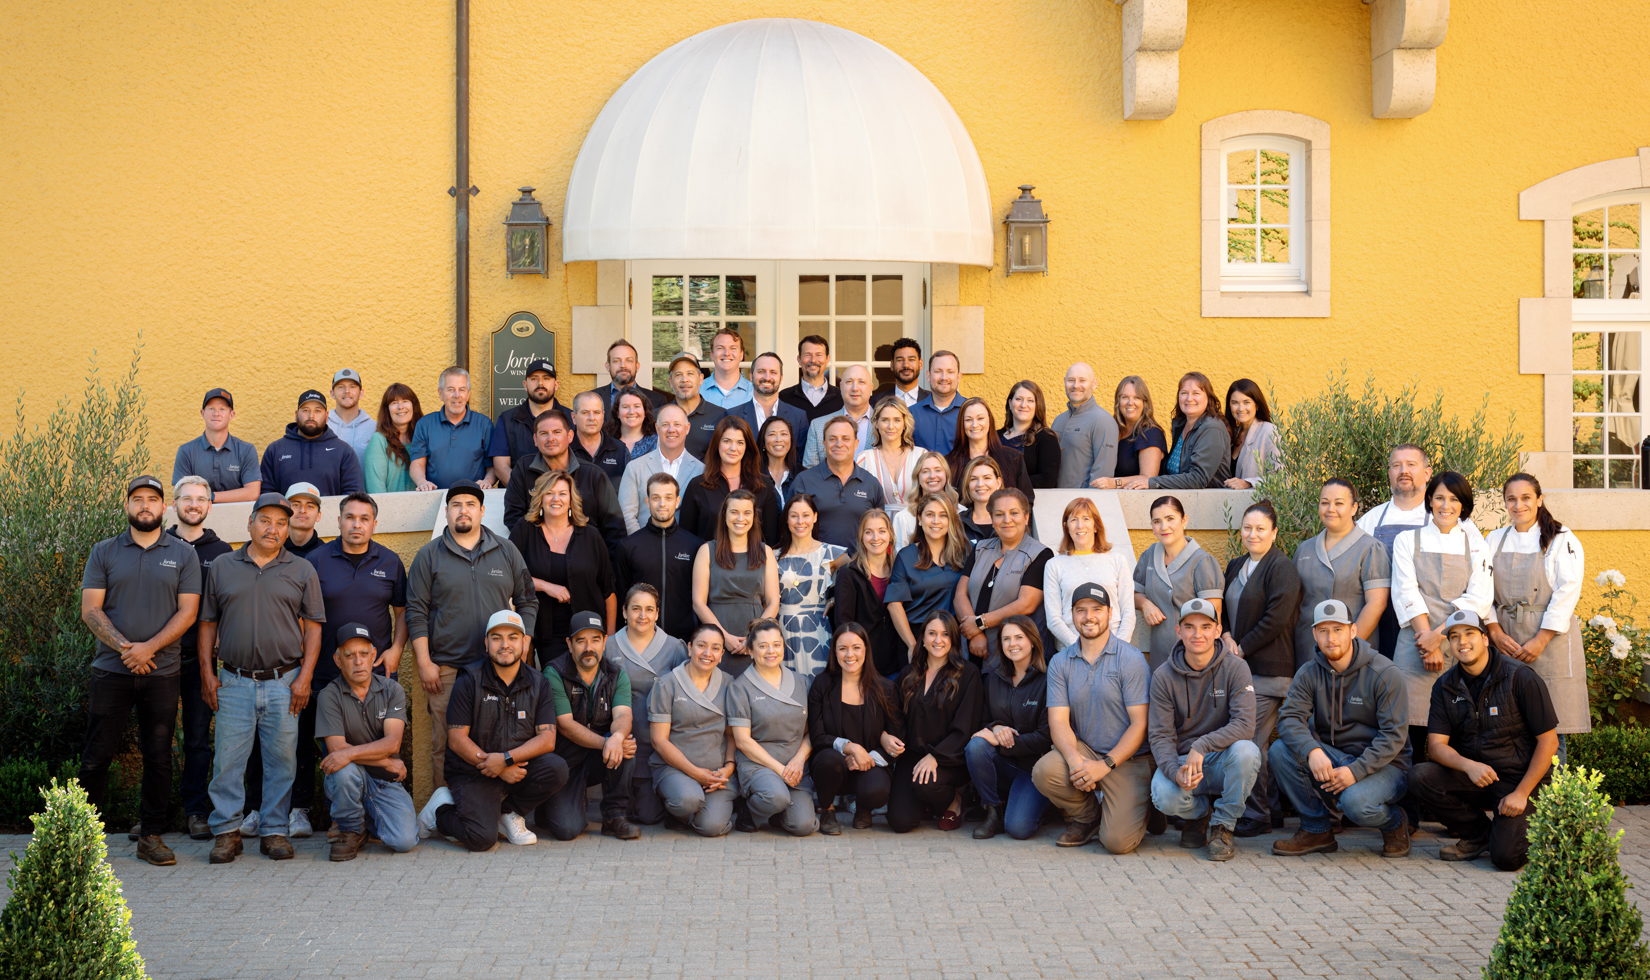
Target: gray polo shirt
(361,720)
(257,609)
(229,468)
(140,592)
(1100,694)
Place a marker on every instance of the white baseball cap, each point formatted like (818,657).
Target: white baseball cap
(507,619)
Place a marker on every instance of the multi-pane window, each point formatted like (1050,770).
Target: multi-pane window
(861,315)
(1606,252)
(1263,202)
(1607,418)
(686,312)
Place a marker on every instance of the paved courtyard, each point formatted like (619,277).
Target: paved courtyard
(927,905)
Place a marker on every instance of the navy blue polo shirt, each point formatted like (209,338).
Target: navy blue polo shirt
(354,593)
(452,452)
(841,502)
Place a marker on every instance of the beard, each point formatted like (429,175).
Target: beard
(143,523)
(312,429)
(905,375)
(191,518)
(623,378)
(540,396)
(462,523)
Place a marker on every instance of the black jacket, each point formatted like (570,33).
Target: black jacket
(501,718)
(1262,621)
(701,505)
(207,548)
(1010,460)
(1023,708)
(594,711)
(611,457)
(1042,458)
(663,558)
(1505,739)
(589,580)
(658,398)
(832,402)
(857,602)
(596,494)
(517,424)
(825,712)
(937,724)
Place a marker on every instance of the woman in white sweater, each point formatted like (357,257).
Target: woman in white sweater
(1086,556)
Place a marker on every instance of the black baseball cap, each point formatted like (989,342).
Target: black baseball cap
(353,631)
(139,482)
(1091,590)
(270,498)
(542,365)
(463,487)
(586,621)
(312,396)
(219,393)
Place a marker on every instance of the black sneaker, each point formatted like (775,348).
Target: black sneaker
(742,819)
(827,823)
(619,827)
(1252,828)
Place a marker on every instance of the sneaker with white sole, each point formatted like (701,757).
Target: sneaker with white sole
(298,824)
(426,817)
(249,826)
(513,828)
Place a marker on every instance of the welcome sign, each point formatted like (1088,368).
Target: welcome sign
(521,341)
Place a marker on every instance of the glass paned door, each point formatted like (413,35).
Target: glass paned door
(1606,412)
(679,306)
(861,308)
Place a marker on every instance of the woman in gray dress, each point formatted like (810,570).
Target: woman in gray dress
(1343,561)
(693,770)
(735,579)
(645,653)
(768,716)
(1171,573)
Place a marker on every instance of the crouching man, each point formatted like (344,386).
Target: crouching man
(1201,719)
(501,733)
(1491,736)
(361,718)
(593,719)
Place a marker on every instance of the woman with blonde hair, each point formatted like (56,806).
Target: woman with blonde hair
(1141,442)
(929,474)
(862,588)
(926,570)
(889,458)
(568,561)
(1085,556)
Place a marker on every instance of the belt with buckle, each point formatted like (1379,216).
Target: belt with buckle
(261,675)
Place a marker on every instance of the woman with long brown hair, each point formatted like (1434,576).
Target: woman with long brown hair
(976,437)
(632,422)
(733,462)
(1141,441)
(735,578)
(981,478)
(1025,429)
(1201,457)
(568,561)
(1254,437)
(942,702)
(926,570)
(1014,736)
(385,462)
(853,725)
(861,590)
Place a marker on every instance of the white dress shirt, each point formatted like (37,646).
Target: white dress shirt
(1407,602)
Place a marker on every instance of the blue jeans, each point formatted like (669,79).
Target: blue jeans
(357,797)
(246,708)
(1228,776)
(989,770)
(1370,802)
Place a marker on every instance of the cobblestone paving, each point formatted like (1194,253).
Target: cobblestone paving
(927,905)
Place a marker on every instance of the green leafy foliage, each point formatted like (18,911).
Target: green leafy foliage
(66,918)
(1617,649)
(1622,755)
(22,782)
(1568,916)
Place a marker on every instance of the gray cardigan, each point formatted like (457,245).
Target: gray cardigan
(1258,453)
(1205,462)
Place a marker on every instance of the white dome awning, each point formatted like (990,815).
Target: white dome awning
(778,139)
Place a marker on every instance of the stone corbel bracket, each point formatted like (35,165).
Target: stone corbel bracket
(1403,50)
(1153,33)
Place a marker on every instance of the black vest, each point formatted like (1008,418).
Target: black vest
(1501,740)
(592,707)
(501,718)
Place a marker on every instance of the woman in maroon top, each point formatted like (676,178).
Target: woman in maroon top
(861,588)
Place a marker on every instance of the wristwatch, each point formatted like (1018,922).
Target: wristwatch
(1106,758)
(509,760)
(979,622)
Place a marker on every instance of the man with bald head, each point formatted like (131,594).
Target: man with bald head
(1087,432)
(855,384)
(670,456)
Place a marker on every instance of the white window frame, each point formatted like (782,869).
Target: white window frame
(1258,276)
(1605,310)
(914,309)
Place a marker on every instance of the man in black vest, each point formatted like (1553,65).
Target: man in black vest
(1491,737)
(501,736)
(593,717)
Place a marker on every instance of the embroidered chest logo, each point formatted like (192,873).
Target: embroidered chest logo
(1218,692)
(683,556)
(489,697)
(287,456)
(1354,699)
(496,572)
(235,469)
(168,563)
(331,448)
(382,713)
(378,573)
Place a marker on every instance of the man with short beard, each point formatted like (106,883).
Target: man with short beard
(592,699)
(623,368)
(312,453)
(905,363)
(513,432)
(139,593)
(192,501)
(352,425)
(766,373)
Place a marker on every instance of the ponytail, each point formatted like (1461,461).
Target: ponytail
(1544,519)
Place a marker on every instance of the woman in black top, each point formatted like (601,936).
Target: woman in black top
(862,588)
(1002,754)
(733,462)
(976,437)
(851,723)
(941,701)
(779,456)
(1025,428)
(568,561)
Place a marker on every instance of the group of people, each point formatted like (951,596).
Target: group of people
(817,595)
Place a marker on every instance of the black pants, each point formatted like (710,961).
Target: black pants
(1386,631)
(197,742)
(564,814)
(478,801)
(1452,797)
(909,802)
(832,778)
(309,759)
(113,696)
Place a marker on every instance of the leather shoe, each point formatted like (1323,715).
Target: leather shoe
(199,828)
(155,851)
(347,845)
(1463,850)
(1195,833)
(992,825)
(1395,843)
(226,849)
(950,820)
(827,823)
(1220,844)
(862,817)
(1306,843)
(1156,821)
(277,847)
(1077,834)
(619,827)
(1252,828)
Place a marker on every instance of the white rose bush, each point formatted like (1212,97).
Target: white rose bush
(1617,651)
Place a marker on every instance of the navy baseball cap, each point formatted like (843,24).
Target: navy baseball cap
(219,393)
(463,487)
(1091,590)
(353,631)
(312,396)
(586,621)
(542,365)
(139,482)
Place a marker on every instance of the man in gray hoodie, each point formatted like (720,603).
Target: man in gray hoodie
(1343,737)
(1201,720)
(1088,434)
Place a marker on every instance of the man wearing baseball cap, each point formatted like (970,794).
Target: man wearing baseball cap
(513,431)
(686,377)
(1492,732)
(301,538)
(311,453)
(362,716)
(594,722)
(1201,720)
(1098,690)
(347,420)
(1343,739)
(501,736)
(139,593)
(229,465)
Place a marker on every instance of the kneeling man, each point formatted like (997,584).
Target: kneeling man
(1201,719)
(501,733)
(1491,736)
(593,719)
(361,717)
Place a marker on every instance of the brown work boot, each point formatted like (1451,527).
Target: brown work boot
(1463,850)
(1221,847)
(155,851)
(226,848)
(346,845)
(1195,833)
(1395,843)
(1306,843)
(277,847)
(1078,833)
(1156,822)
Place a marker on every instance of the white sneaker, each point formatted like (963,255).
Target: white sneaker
(298,823)
(249,826)
(513,828)
(426,817)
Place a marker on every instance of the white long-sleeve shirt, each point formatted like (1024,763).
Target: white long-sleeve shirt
(1407,602)
(1113,570)
(1565,564)
(1388,513)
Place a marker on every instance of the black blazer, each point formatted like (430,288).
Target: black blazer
(831,403)
(1263,619)
(1042,458)
(939,725)
(589,574)
(825,712)
(857,602)
(700,505)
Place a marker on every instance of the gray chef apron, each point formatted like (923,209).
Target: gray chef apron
(1437,575)
(1522,593)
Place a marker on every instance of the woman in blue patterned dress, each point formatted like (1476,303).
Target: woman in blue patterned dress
(807,571)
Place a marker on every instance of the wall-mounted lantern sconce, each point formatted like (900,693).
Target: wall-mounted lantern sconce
(1027,234)
(526,237)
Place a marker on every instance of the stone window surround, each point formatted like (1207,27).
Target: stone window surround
(1545,323)
(1312,132)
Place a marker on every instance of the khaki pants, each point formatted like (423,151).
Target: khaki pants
(1121,809)
(437,706)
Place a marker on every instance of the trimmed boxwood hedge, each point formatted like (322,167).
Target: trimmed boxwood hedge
(1622,754)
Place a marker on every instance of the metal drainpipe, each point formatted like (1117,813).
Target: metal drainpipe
(462,190)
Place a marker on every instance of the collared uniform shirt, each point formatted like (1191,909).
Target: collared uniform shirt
(701,425)
(140,592)
(360,721)
(841,502)
(362,592)
(743,391)
(357,433)
(936,428)
(452,452)
(1463,539)
(1100,694)
(258,610)
(229,468)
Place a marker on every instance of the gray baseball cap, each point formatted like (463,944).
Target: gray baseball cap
(1198,607)
(1463,617)
(1331,611)
(346,374)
